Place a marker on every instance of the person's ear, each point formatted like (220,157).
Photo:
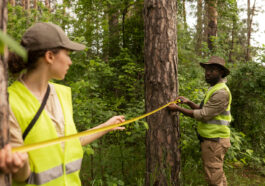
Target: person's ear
(49,57)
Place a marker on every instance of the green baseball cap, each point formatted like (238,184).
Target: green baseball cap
(46,36)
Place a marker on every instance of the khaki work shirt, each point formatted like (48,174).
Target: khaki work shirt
(216,104)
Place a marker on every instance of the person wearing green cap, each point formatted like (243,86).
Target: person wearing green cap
(214,118)
(41,110)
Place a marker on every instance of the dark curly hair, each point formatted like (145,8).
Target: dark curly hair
(16,63)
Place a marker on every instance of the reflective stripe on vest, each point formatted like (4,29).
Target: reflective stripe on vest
(218,126)
(49,165)
(53,173)
(220,122)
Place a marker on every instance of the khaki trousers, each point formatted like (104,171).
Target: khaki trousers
(213,154)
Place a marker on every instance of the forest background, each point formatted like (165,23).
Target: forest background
(108,79)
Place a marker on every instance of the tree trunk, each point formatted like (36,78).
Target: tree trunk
(249,28)
(205,22)
(47,4)
(23,4)
(5,180)
(27,4)
(212,22)
(161,86)
(35,4)
(184,14)
(12,2)
(114,47)
(231,52)
(199,28)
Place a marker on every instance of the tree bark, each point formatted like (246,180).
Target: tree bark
(47,4)
(249,28)
(27,4)
(5,180)
(23,3)
(231,52)
(35,4)
(205,22)
(199,28)
(161,86)
(12,2)
(114,47)
(184,14)
(212,22)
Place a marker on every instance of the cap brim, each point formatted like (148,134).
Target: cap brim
(226,71)
(74,46)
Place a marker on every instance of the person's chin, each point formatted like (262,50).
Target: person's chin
(59,78)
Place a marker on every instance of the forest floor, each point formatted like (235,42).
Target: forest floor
(244,177)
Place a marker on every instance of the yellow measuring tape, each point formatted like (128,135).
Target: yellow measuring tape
(34,146)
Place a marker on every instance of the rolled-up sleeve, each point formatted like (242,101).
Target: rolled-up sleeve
(216,104)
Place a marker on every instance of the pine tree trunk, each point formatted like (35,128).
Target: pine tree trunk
(205,22)
(12,2)
(27,4)
(199,28)
(47,4)
(114,47)
(5,180)
(184,14)
(231,52)
(35,4)
(212,22)
(249,28)
(23,3)
(161,86)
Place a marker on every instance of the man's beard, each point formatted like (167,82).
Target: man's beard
(212,81)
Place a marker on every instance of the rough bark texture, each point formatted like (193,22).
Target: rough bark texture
(161,86)
(27,4)
(199,28)
(5,180)
(231,53)
(212,22)
(12,2)
(114,47)
(23,3)
(35,4)
(251,12)
(184,14)
(47,4)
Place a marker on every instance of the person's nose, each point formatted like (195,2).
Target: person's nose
(70,62)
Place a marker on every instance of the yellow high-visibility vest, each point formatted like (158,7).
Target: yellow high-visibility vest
(50,166)
(217,127)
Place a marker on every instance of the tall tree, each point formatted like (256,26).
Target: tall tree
(184,14)
(199,27)
(212,22)
(12,2)
(23,3)
(4,130)
(161,86)
(250,12)
(233,33)
(35,4)
(47,4)
(27,4)
(114,33)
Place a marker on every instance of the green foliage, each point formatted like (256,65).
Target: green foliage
(247,84)
(12,44)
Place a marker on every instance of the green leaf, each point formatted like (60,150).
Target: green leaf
(13,45)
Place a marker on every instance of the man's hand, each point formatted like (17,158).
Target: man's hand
(172,107)
(183,99)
